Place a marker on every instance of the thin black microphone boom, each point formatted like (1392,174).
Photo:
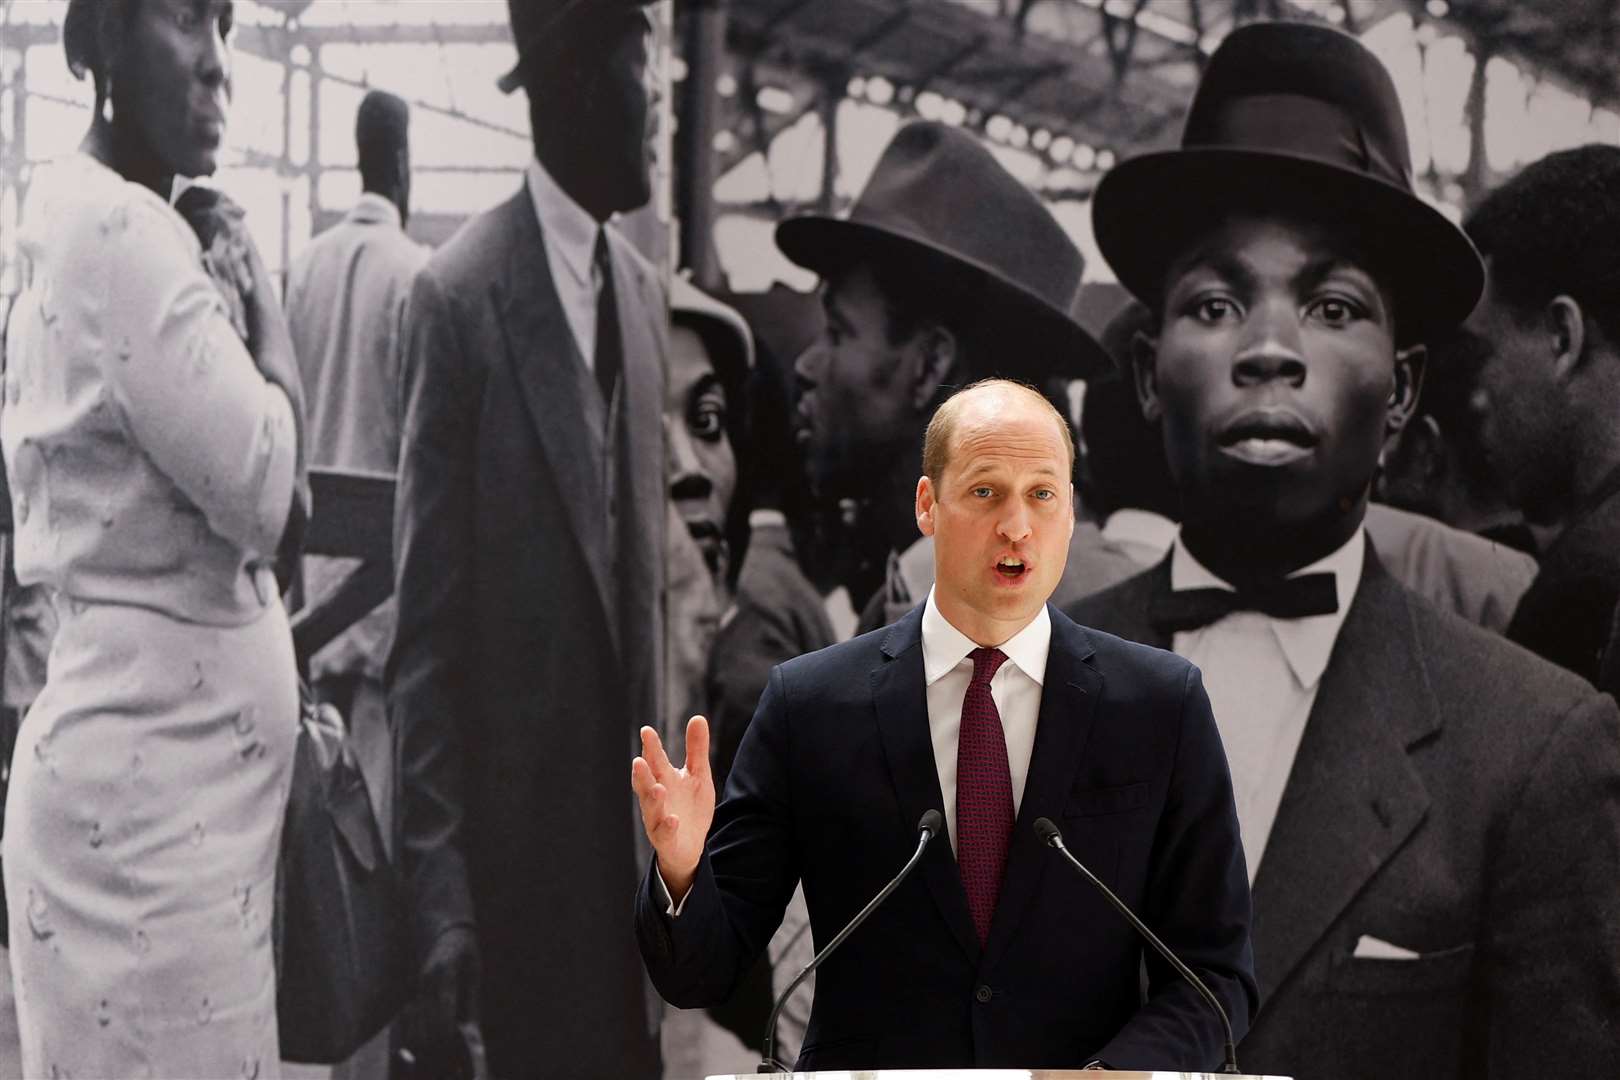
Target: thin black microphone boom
(929,826)
(1049,833)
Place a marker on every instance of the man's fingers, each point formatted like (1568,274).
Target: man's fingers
(641,778)
(652,748)
(697,748)
(650,794)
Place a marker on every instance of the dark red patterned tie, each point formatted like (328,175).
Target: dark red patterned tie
(984,807)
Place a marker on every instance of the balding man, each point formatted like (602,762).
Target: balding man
(991,708)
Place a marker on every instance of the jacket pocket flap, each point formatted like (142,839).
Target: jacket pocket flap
(1426,973)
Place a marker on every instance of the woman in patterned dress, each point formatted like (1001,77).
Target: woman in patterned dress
(154,462)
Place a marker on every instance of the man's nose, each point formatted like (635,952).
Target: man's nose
(687,479)
(1014,523)
(807,368)
(214,62)
(1271,347)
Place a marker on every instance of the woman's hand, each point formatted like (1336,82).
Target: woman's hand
(233,262)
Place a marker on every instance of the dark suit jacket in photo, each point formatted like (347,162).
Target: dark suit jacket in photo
(1454,796)
(1566,613)
(528,538)
(779,615)
(830,782)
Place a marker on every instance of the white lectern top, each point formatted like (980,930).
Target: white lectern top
(993,1074)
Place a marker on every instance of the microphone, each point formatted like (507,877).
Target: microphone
(928,826)
(1050,835)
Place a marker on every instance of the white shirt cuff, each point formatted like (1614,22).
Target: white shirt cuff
(671,908)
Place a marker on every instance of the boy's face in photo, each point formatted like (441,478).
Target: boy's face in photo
(1276,376)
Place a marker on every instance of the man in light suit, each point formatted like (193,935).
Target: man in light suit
(528,540)
(993,710)
(346,297)
(1432,814)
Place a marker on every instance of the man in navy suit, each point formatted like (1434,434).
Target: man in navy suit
(988,706)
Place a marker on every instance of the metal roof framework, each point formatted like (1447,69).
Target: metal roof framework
(291,34)
(1111,77)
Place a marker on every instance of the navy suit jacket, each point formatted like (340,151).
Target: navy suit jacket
(829,783)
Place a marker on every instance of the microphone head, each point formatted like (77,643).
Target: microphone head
(931,823)
(1048,832)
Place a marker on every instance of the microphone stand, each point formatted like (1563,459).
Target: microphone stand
(928,826)
(1049,833)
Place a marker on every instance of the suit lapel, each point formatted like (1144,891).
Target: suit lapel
(1128,604)
(1069,696)
(636,414)
(542,353)
(1352,797)
(900,698)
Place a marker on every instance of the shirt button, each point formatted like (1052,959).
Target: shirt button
(983,994)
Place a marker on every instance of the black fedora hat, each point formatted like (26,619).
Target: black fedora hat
(539,24)
(1305,116)
(940,202)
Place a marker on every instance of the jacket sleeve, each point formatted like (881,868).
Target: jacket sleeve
(744,880)
(1199,906)
(427,670)
(1551,934)
(185,383)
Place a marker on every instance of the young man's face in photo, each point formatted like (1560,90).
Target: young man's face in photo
(856,413)
(1276,374)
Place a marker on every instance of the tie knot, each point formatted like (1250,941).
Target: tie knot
(600,255)
(986,662)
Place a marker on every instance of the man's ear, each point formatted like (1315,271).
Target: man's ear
(939,350)
(925,506)
(1566,323)
(1144,369)
(1418,452)
(1405,387)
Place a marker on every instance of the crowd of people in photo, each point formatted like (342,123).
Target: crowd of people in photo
(1355,462)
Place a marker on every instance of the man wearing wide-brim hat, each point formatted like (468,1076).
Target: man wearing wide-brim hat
(529,530)
(1431,816)
(947,269)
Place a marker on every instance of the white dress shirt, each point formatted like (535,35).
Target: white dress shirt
(1015,688)
(569,234)
(1262,675)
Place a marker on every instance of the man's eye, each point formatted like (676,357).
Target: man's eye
(1213,309)
(1045,494)
(982,493)
(1335,311)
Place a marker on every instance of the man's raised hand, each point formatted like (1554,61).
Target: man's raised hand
(677,805)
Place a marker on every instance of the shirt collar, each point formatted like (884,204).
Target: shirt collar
(1140,526)
(569,230)
(1306,643)
(375,209)
(944,646)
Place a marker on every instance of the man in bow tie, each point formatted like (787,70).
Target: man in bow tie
(988,708)
(1431,816)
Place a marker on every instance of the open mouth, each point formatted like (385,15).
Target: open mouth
(1011,567)
(1268,437)
(703,529)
